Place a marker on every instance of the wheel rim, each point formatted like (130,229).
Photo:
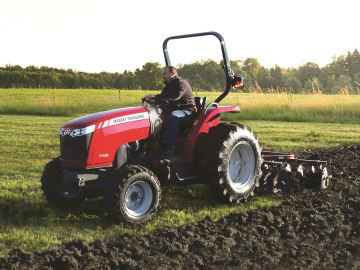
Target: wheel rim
(138,199)
(241,167)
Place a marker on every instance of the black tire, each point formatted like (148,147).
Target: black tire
(135,197)
(56,192)
(231,160)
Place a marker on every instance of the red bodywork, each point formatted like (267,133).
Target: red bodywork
(109,135)
(202,125)
(107,138)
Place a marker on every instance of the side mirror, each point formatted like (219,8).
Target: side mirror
(238,82)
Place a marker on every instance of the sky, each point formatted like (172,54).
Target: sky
(115,35)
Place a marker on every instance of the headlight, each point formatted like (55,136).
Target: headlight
(77,132)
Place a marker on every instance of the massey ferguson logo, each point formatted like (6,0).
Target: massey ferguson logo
(124,119)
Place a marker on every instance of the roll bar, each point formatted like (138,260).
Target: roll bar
(227,68)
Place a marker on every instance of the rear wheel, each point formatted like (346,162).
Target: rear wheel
(232,161)
(63,195)
(136,196)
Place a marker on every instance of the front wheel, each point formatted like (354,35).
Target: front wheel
(136,195)
(62,194)
(232,161)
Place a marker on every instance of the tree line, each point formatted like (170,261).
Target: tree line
(341,75)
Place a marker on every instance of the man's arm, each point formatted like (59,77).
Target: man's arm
(175,92)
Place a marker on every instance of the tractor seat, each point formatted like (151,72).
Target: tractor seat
(200,105)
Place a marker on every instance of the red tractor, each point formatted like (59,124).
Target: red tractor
(116,154)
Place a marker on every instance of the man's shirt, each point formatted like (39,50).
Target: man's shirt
(178,92)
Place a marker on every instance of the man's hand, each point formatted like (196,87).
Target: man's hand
(148,98)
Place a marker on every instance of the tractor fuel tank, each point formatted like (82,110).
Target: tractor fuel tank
(92,141)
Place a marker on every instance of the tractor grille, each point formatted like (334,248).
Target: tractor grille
(75,148)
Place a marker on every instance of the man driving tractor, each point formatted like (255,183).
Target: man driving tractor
(180,110)
(100,153)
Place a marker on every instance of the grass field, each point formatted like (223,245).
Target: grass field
(280,107)
(29,138)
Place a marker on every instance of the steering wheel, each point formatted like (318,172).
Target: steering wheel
(148,99)
(155,100)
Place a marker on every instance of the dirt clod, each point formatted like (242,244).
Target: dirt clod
(311,229)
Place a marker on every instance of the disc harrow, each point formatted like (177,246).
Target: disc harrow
(284,173)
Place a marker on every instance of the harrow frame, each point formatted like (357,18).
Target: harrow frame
(280,169)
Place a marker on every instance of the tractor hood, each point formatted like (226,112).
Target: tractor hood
(109,118)
(93,140)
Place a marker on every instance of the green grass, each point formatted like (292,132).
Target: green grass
(28,222)
(60,102)
(29,138)
(278,107)
(297,136)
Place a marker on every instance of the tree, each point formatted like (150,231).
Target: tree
(352,63)
(199,83)
(330,84)
(68,81)
(277,74)
(342,73)
(313,85)
(343,84)
(205,75)
(150,76)
(293,84)
(251,67)
(308,72)
(356,82)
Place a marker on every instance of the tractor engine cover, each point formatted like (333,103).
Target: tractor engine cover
(92,141)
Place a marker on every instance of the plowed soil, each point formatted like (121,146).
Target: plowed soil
(311,229)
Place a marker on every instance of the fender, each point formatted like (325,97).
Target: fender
(201,126)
